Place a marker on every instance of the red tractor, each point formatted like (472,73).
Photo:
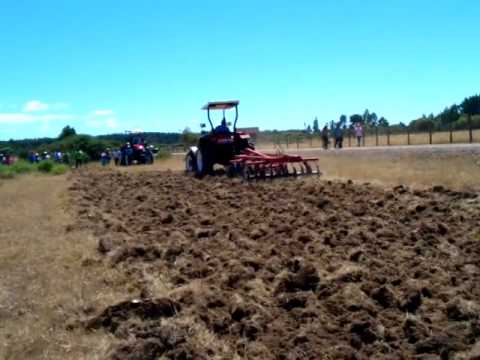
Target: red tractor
(236,153)
(136,151)
(220,145)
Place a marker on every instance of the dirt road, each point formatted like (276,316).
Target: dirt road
(456,149)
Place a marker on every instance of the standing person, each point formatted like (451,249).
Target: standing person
(338,134)
(129,152)
(116,156)
(324,135)
(103,158)
(359,133)
(31,157)
(109,155)
(79,158)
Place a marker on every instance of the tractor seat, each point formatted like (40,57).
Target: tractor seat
(224,138)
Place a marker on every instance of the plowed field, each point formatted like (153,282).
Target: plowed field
(290,269)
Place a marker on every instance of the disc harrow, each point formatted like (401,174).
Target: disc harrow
(253,164)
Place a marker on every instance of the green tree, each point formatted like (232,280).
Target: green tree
(356,118)
(383,122)
(471,105)
(188,137)
(366,117)
(66,132)
(316,129)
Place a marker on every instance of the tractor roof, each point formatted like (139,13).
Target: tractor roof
(221,105)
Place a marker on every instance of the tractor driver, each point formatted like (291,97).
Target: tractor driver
(222,128)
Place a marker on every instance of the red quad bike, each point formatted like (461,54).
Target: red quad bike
(234,151)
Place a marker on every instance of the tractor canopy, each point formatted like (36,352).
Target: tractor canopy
(222,105)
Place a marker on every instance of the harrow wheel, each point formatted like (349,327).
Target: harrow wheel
(308,169)
(246,172)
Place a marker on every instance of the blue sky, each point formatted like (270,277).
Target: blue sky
(107,66)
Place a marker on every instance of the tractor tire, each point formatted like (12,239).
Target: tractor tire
(191,162)
(149,158)
(204,165)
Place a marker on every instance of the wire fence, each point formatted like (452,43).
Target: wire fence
(374,136)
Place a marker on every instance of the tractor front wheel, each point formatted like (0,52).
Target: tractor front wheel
(191,162)
(149,158)
(203,164)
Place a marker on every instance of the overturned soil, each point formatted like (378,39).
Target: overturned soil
(290,269)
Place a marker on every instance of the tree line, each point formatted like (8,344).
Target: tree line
(456,117)
(68,140)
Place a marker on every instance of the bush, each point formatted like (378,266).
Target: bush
(162,154)
(59,169)
(21,167)
(45,166)
(6,172)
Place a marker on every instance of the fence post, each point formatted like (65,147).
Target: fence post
(349,137)
(470,130)
(298,142)
(311,140)
(388,135)
(376,135)
(451,134)
(408,136)
(430,135)
(287,137)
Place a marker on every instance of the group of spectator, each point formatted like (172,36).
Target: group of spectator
(74,158)
(120,156)
(337,134)
(57,156)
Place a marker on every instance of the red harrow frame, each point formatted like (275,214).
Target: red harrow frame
(258,165)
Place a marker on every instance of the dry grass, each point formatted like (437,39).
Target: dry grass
(459,137)
(43,280)
(453,171)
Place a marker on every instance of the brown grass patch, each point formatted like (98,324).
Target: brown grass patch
(48,274)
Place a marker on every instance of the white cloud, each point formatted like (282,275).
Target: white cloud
(103,112)
(110,123)
(59,106)
(21,118)
(35,105)
(94,123)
